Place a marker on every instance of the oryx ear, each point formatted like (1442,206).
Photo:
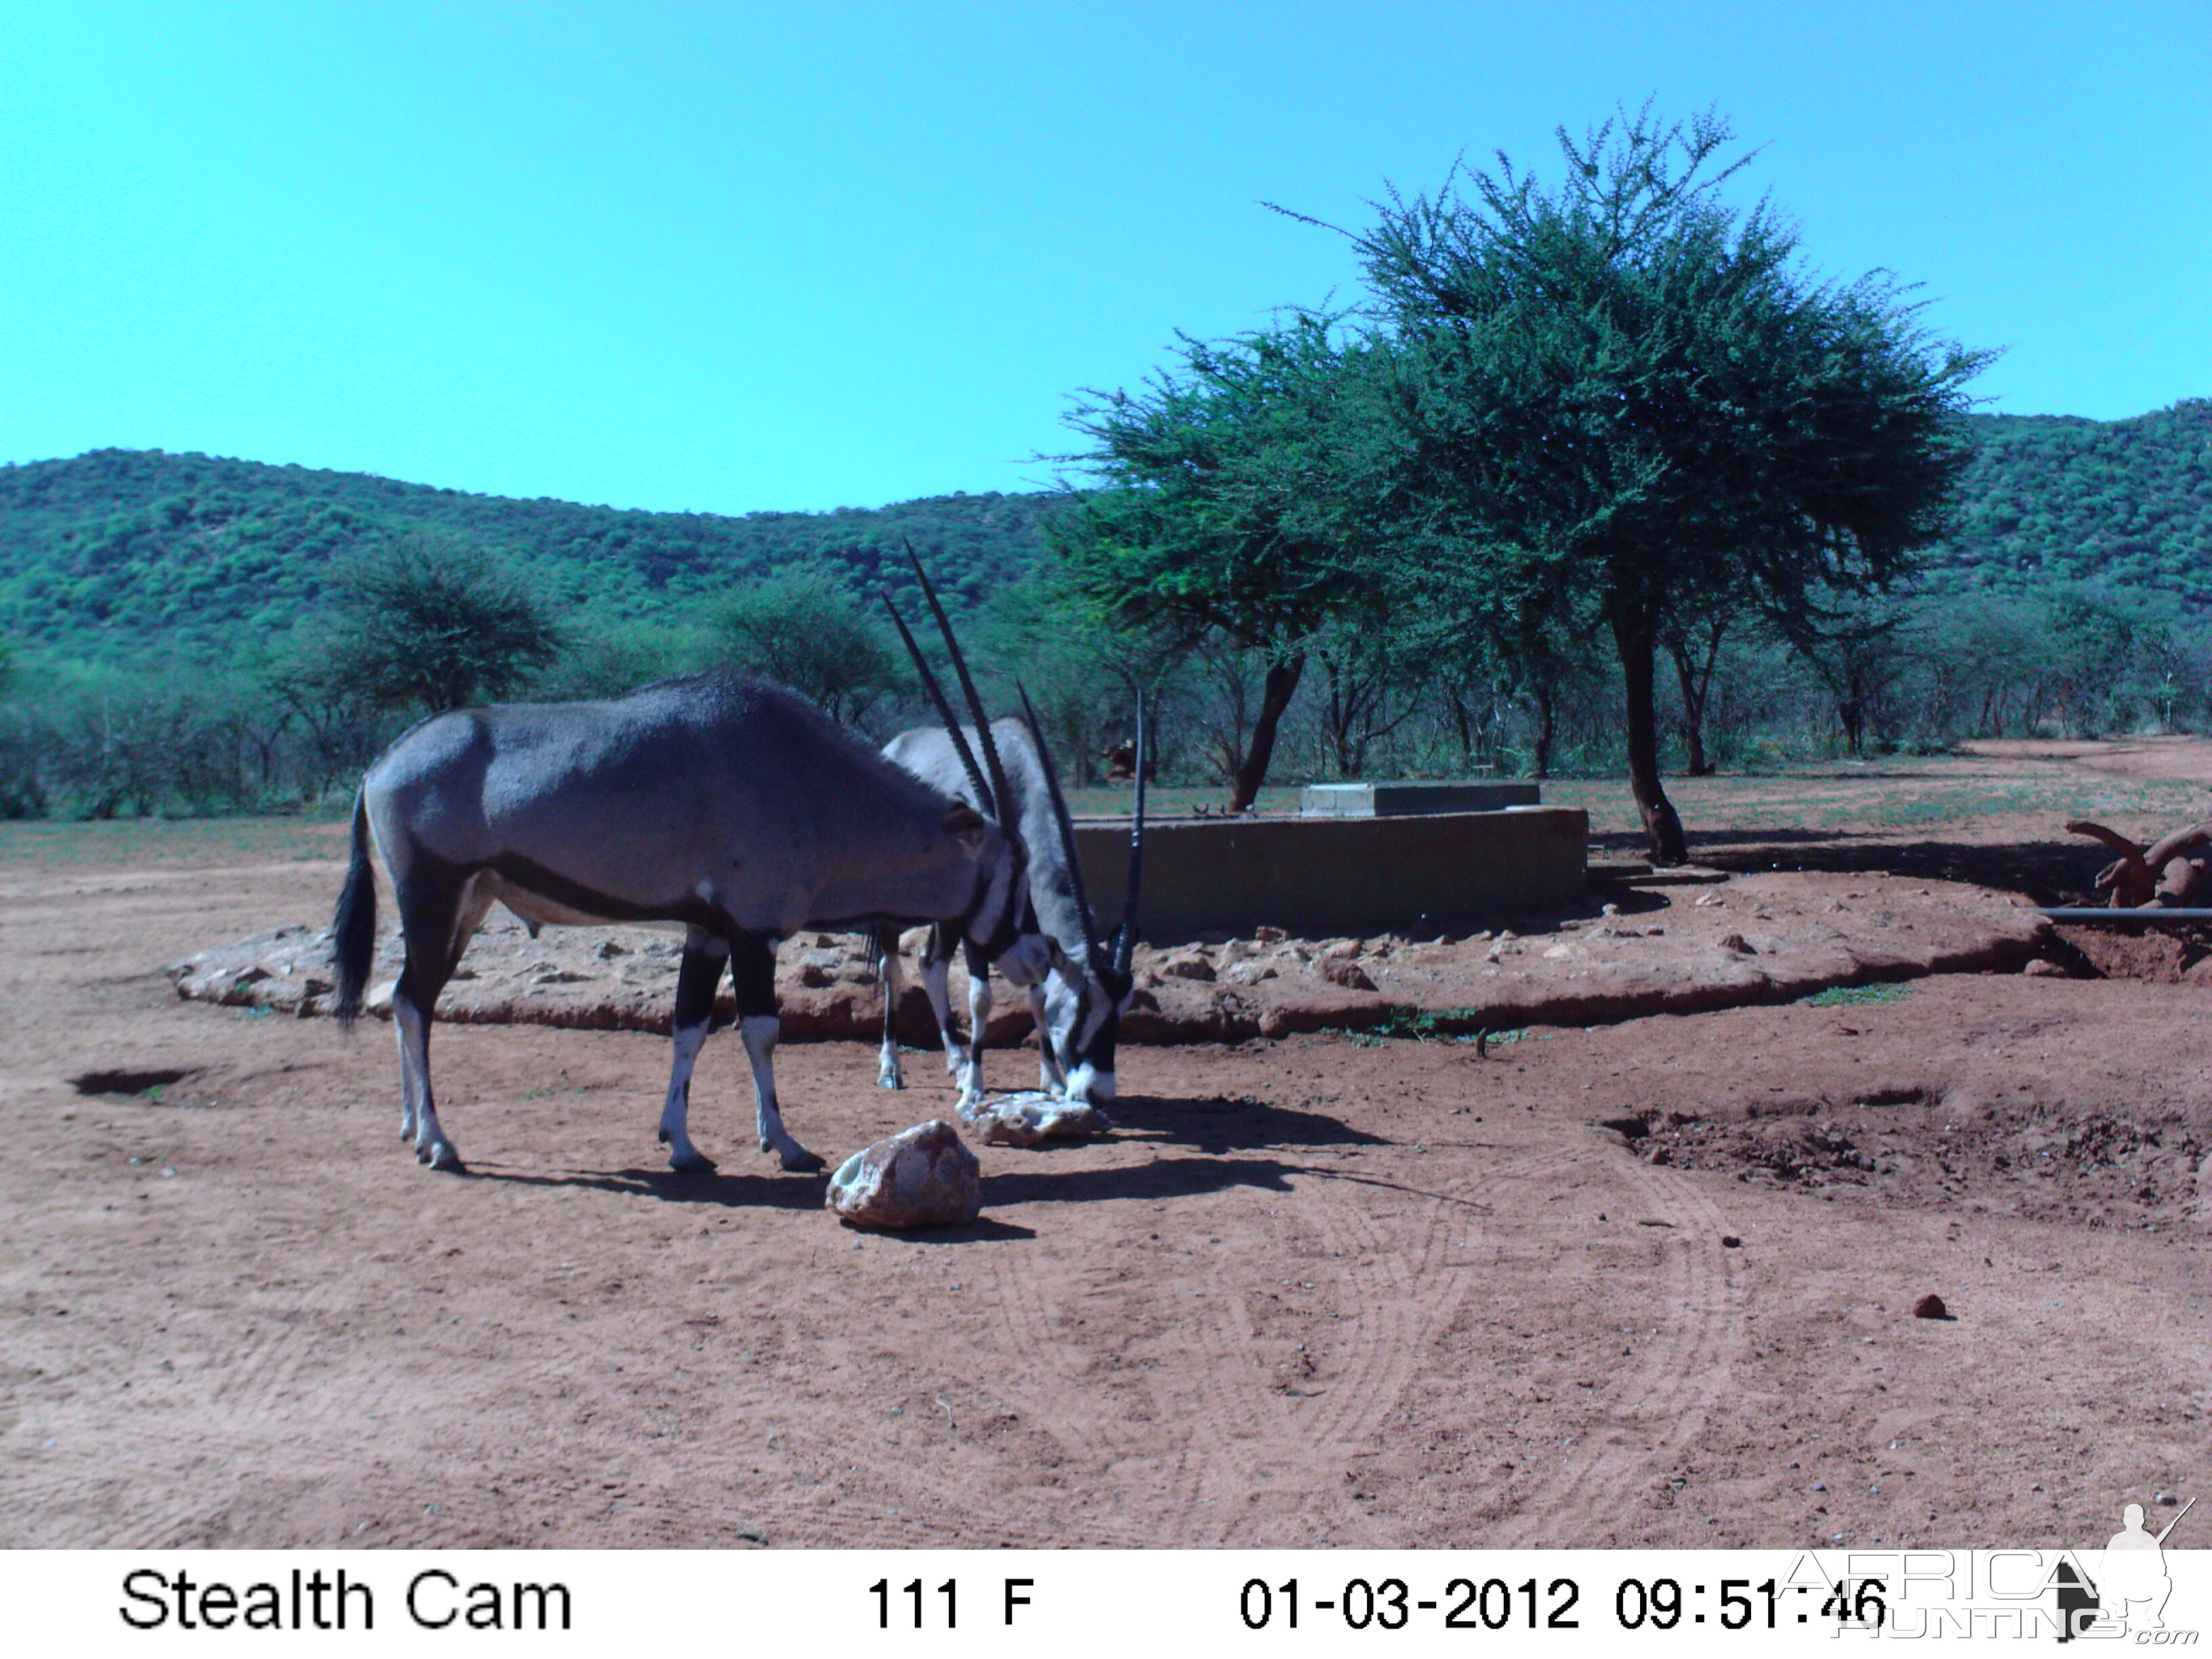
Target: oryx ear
(965,822)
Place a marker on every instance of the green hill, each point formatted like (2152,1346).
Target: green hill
(121,556)
(124,556)
(2051,500)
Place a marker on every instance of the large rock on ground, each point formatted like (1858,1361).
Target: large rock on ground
(920,1177)
(1033,1119)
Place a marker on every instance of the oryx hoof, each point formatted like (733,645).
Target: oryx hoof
(441,1155)
(694,1162)
(889,1080)
(801,1161)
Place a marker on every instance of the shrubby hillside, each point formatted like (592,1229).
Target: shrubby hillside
(123,556)
(2051,499)
(2077,599)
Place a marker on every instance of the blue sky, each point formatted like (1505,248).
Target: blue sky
(733,257)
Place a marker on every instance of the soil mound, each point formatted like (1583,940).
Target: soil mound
(1647,950)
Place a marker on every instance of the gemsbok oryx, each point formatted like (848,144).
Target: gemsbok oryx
(730,805)
(1078,1008)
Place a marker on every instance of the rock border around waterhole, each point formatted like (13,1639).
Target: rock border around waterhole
(1628,953)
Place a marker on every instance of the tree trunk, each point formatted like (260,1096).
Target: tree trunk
(1851,711)
(1548,715)
(1275,692)
(1634,635)
(1338,721)
(1696,680)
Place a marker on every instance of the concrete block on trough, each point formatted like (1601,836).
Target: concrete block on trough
(1412,799)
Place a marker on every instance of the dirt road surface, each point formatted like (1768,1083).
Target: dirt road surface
(1646,1282)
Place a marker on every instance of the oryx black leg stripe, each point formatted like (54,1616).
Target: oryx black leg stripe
(695,980)
(752,972)
(428,912)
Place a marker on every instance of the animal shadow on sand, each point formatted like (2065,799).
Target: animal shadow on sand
(1160,1178)
(763,1190)
(1230,1123)
(1215,1128)
(741,1192)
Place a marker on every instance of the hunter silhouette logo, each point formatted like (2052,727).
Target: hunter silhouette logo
(2132,1586)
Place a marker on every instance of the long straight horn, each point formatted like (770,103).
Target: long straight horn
(1125,940)
(967,686)
(944,712)
(1066,824)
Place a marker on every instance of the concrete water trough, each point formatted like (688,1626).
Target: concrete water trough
(1420,798)
(1338,874)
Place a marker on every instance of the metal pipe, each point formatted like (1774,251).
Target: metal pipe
(2149,916)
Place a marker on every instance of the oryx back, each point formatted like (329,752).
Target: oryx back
(714,800)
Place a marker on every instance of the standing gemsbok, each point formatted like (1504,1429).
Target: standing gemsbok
(1078,1007)
(730,805)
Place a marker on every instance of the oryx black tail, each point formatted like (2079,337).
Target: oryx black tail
(353,929)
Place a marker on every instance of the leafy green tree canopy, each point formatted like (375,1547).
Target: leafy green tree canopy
(1621,398)
(1237,495)
(432,623)
(806,630)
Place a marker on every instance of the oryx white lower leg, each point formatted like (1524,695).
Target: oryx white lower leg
(431,915)
(936,979)
(752,970)
(704,958)
(759,1033)
(978,1021)
(888,1075)
(676,1110)
(1050,1079)
(410,1087)
(413,1024)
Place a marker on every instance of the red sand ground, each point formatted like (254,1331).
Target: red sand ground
(1315,1289)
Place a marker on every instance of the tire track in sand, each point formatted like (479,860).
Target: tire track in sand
(237,1377)
(1099,1410)
(1660,1403)
(1280,1456)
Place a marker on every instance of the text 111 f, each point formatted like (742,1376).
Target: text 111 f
(911,1605)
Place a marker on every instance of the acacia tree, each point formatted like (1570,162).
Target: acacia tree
(1236,498)
(1692,642)
(1861,654)
(1621,399)
(806,630)
(429,622)
(1082,671)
